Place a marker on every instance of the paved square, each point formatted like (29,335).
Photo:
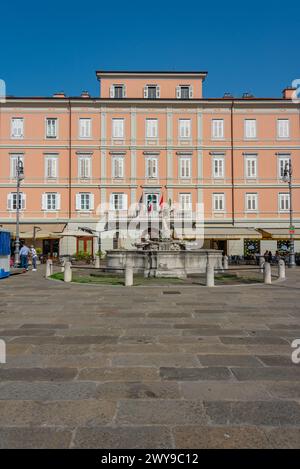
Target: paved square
(114,367)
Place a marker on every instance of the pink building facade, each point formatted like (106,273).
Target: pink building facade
(150,136)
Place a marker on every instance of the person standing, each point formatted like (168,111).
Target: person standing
(24,252)
(33,258)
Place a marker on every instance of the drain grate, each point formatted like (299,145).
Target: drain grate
(172,292)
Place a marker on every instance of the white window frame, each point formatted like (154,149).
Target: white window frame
(250,131)
(79,200)
(85,128)
(217,129)
(179,91)
(117,167)
(17,132)
(118,133)
(185,167)
(285,197)
(118,201)
(283,131)
(217,197)
(157,91)
(250,162)
(13,164)
(151,130)
(217,174)
(282,160)
(184,129)
(86,160)
(252,197)
(54,196)
(151,169)
(55,134)
(10,201)
(185,201)
(112,91)
(53,158)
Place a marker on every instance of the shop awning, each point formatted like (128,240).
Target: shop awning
(231,233)
(279,233)
(79,233)
(42,231)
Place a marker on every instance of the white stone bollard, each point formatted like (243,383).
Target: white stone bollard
(281,269)
(97,262)
(62,269)
(49,268)
(68,272)
(128,273)
(267,273)
(225,262)
(261,263)
(210,275)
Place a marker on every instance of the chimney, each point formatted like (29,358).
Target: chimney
(288,92)
(60,94)
(85,94)
(228,95)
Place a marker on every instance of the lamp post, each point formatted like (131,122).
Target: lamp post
(287,177)
(20,177)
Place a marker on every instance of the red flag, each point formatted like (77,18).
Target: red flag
(161,201)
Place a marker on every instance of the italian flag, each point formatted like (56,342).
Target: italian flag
(150,204)
(161,202)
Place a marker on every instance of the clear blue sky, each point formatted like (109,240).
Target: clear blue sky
(58,45)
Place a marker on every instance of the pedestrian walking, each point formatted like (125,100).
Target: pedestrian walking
(34,258)
(24,252)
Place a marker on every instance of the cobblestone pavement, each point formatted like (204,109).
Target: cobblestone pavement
(150,367)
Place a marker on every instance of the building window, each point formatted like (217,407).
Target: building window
(14,164)
(283,128)
(118,128)
(151,128)
(118,201)
(251,202)
(85,128)
(17,127)
(218,202)
(151,92)
(218,167)
(84,201)
(117,91)
(184,130)
(12,201)
(250,128)
(251,167)
(51,165)
(185,202)
(118,167)
(51,201)
(152,202)
(284,202)
(84,166)
(151,167)
(217,128)
(283,162)
(184,167)
(51,128)
(184,92)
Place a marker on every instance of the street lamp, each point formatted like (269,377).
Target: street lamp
(287,177)
(20,177)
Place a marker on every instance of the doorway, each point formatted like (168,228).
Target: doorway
(85,245)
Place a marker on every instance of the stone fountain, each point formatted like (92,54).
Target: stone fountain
(163,257)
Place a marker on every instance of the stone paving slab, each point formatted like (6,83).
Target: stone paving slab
(108,367)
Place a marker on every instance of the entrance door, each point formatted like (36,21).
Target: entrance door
(51,248)
(85,245)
